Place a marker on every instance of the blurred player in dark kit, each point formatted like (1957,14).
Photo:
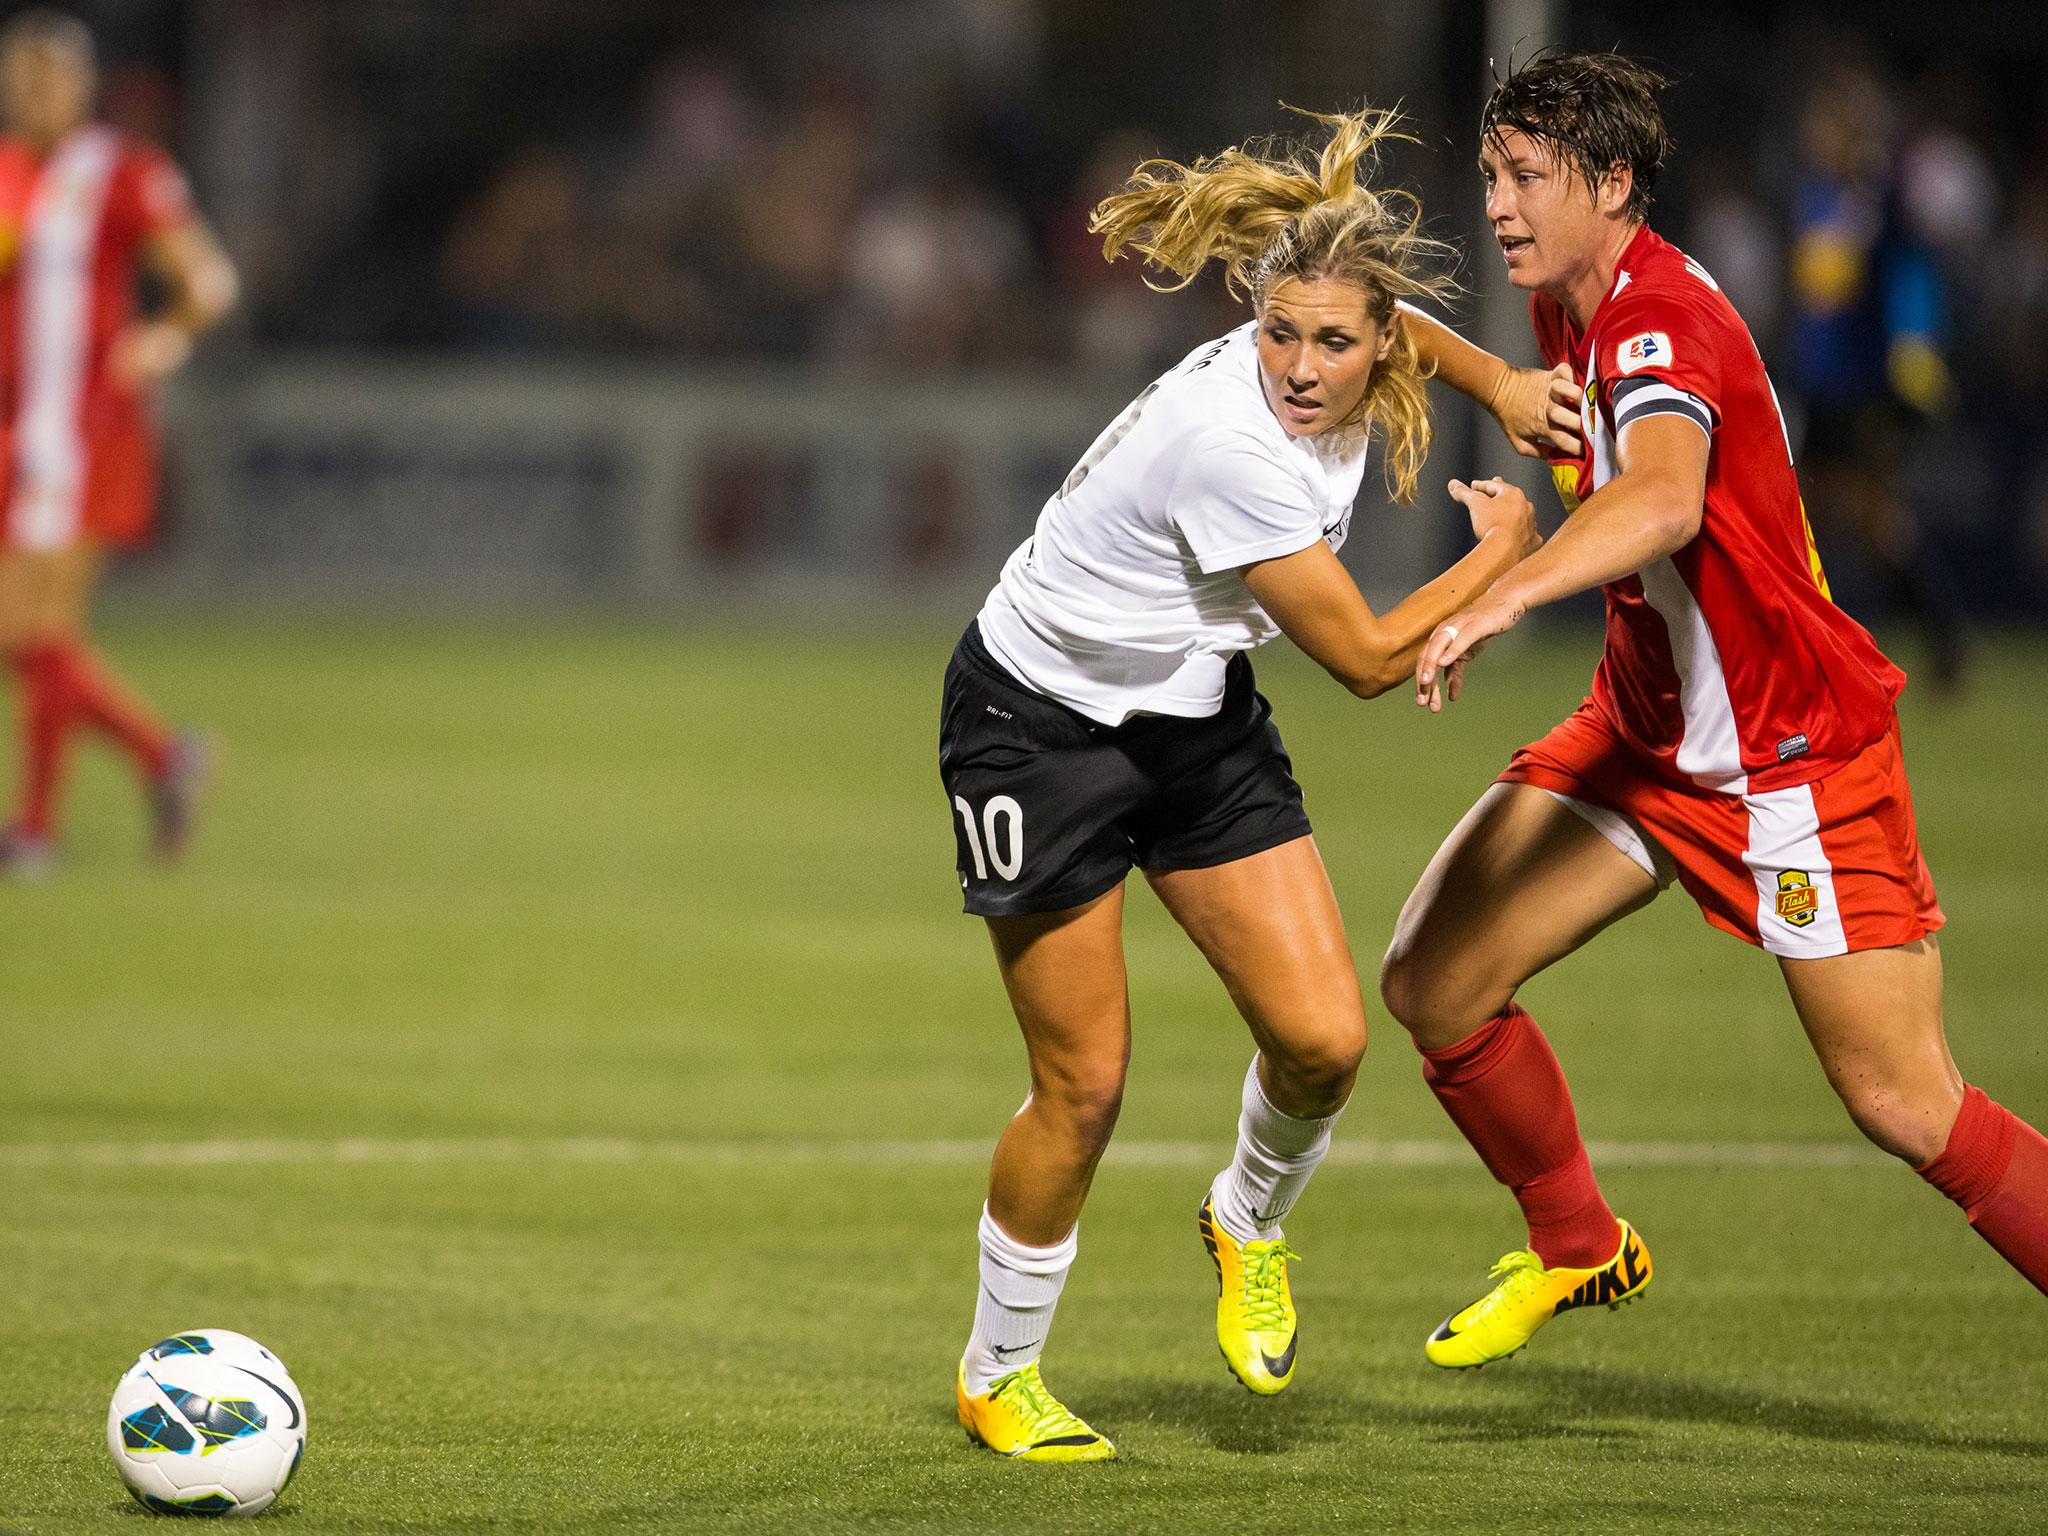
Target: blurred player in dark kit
(84,211)
(1864,342)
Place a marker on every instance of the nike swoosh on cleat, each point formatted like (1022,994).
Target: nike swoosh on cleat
(1000,1350)
(1444,1331)
(1280,1365)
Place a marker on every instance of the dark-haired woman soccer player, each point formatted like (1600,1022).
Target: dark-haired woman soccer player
(1100,714)
(82,208)
(1741,738)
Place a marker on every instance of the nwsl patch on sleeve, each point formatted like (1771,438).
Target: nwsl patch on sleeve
(1652,349)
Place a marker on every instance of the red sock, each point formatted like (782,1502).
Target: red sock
(100,699)
(1995,1167)
(43,725)
(1503,1088)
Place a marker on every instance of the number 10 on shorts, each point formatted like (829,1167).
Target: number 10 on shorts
(992,835)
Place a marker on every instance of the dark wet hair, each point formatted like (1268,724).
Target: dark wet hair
(1593,110)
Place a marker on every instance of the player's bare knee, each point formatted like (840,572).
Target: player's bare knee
(1401,982)
(1342,1053)
(1092,1118)
(1430,1001)
(1313,1076)
(1895,1122)
(1085,1102)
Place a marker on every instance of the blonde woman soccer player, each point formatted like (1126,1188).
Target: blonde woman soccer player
(1100,714)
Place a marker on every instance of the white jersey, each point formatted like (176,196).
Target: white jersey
(1127,598)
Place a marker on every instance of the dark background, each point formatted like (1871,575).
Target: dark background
(847,197)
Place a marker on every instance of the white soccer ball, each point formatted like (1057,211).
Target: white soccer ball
(207,1422)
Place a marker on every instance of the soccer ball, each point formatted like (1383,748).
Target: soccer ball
(207,1422)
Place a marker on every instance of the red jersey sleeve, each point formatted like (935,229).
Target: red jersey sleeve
(148,194)
(1654,334)
(164,200)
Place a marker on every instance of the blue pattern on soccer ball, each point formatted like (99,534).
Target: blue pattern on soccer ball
(152,1429)
(205,1504)
(218,1419)
(181,1344)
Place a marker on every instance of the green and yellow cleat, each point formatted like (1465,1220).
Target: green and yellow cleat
(1255,1322)
(1017,1417)
(1528,1296)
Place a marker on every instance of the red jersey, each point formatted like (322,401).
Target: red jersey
(1727,662)
(76,452)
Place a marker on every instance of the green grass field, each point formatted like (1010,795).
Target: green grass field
(565,1051)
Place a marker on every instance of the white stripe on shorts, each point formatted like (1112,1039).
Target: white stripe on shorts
(1627,834)
(1785,858)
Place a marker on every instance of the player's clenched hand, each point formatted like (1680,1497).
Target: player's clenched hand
(1538,409)
(147,352)
(1497,507)
(1440,671)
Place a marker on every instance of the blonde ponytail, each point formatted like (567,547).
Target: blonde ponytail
(1269,212)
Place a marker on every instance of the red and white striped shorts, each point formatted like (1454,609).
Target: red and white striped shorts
(1817,869)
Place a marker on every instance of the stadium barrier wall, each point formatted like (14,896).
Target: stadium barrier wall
(458,483)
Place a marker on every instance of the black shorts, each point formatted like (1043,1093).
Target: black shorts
(1051,809)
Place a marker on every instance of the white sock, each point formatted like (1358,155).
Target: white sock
(1275,1155)
(1020,1286)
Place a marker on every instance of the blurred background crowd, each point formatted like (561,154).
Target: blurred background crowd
(872,193)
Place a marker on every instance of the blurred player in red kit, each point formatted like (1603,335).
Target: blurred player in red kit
(1741,737)
(84,211)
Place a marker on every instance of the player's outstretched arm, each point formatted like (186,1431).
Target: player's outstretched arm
(200,287)
(1537,408)
(1313,599)
(1650,509)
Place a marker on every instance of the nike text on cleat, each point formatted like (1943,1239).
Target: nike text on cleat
(1017,1417)
(1528,1296)
(1255,1323)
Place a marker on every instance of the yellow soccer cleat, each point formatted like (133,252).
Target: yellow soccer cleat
(1018,1418)
(1255,1323)
(1528,1296)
